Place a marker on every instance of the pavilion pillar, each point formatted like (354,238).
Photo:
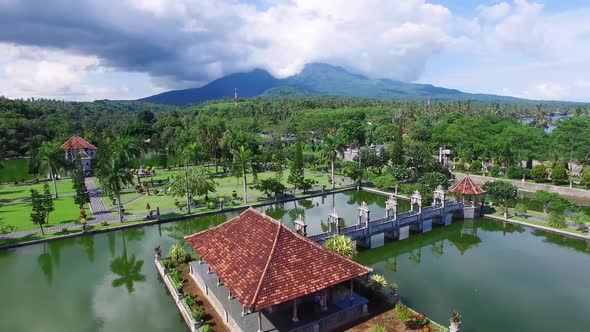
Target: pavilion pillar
(351,289)
(259,322)
(295,318)
(324,300)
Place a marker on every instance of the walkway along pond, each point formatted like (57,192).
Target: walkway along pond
(502,277)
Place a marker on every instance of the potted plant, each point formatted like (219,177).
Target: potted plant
(84,223)
(455,321)
(393,288)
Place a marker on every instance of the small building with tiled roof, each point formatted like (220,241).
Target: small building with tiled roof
(466,186)
(265,265)
(77,147)
(468,189)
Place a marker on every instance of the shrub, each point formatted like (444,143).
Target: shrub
(341,245)
(5,229)
(539,173)
(139,190)
(426,328)
(210,205)
(580,218)
(385,181)
(393,287)
(198,313)
(402,312)
(205,328)
(156,191)
(377,282)
(104,223)
(476,166)
(558,174)
(177,253)
(495,170)
(147,206)
(556,220)
(234,194)
(521,208)
(82,214)
(379,328)
(517,172)
(175,278)
(190,301)
(586,177)
(456,316)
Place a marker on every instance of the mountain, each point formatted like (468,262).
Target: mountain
(319,79)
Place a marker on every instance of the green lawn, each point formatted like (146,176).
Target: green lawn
(225,187)
(11,191)
(17,168)
(18,214)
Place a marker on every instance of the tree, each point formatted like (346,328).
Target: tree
(434,179)
(553,202)
(571,139)
(243,160)
(342,245)
(79,184)
(195,182)
(296,168)
(47,202)
(270,186)
(385,181)
(558,174)
(190,154)
(331,149)
(502,192)
(38,215)
(539,173)
(51,159)
(146,116)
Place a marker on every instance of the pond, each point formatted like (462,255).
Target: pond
(502,278)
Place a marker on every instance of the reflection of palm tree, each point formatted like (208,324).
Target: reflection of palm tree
(179,230)
(437,248)
(276,211)
(128,269)
(87,242)
(391,264)
(324,226)
(112,238)
(416,257)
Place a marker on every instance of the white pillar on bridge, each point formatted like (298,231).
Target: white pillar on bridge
(391,206)
(333,220)
(364,212)
(439,194)
(416,198)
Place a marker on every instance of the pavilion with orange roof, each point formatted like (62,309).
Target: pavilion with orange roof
(467,188)
(77,147)
(254,264)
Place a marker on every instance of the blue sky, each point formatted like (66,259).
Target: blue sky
(134,48)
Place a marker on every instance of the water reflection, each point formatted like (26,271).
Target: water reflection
(128,267)
(87,243)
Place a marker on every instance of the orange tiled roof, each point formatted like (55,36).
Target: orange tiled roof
(263,263)
(77,143)
(466,186)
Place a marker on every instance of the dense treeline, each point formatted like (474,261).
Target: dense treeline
(475,132)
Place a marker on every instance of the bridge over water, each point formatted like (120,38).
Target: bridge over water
(394,225)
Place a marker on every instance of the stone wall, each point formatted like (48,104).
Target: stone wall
(529,186)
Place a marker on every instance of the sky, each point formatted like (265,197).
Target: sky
(127,49)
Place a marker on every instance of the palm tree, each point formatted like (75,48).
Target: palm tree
(113,175)
(331,150)
(51,160)
(243,159)
(190,154)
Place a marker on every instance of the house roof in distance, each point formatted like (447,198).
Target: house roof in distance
(466,186)
(263,263)
(77,143)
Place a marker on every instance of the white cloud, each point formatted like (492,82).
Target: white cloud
(494,12)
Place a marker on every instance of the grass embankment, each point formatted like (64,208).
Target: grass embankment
(534,222)
(19,214)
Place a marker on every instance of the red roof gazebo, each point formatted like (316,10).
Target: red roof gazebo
(466,187)
(263,263)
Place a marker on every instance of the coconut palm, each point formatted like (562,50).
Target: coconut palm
(244,159)
(113,174)
(331,149)
(51,160)
(190,154)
